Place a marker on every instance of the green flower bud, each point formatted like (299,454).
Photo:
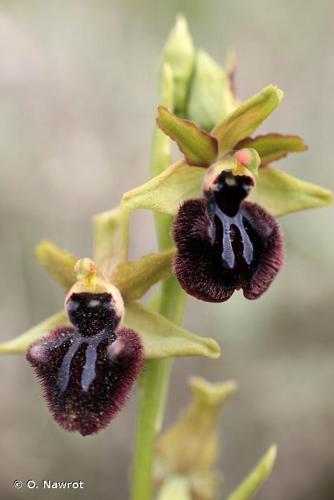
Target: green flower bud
(179,53)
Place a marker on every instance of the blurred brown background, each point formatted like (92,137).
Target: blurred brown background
(77,103)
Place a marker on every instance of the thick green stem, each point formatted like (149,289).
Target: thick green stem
(152,386)
(153,394)
(155,379)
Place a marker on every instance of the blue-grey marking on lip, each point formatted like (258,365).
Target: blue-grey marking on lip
(228,253)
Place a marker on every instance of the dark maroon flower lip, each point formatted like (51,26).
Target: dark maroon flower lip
(225,243)
(87,370)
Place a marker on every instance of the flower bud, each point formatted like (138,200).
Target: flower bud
(179,53)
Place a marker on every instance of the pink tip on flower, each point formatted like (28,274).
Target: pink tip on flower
(244,157)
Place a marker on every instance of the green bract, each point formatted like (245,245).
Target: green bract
(210,97)
(189,447)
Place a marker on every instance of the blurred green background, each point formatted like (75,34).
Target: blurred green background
(77,107)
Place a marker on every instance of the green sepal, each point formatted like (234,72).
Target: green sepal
(273,147)
(211,98)
(198,147)
(165,192)
(280,193)
(163,338)
(135,278)
(256,478)
(179,54)
(20,344)
(57,262)
(246,118)
(132,278)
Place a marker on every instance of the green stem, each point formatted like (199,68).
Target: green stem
(155,379)
(152,386)
(153,394)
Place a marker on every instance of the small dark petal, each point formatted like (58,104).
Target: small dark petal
(87,403)
(195,263)
(272,258)
(91,312)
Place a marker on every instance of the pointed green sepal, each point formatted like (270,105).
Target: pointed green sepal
(135,278)
(179,54)
(57,262)
(246,118)
(132,278)
(198,147)
(276,191)
(162,338)
(281,193)
(256,478)
(20,344)
(165,192)
(211,98)
(273,147)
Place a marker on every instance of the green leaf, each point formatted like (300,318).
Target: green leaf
(162,338)
(199,147)
(179,53)
(165,192)
(57,262)
(281,193)
(211,98)
(246,118)
(134,279)
(20,344)
(272,147)
(256,478)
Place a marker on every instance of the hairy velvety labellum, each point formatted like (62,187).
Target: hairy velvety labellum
(87,370)
(225,243)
